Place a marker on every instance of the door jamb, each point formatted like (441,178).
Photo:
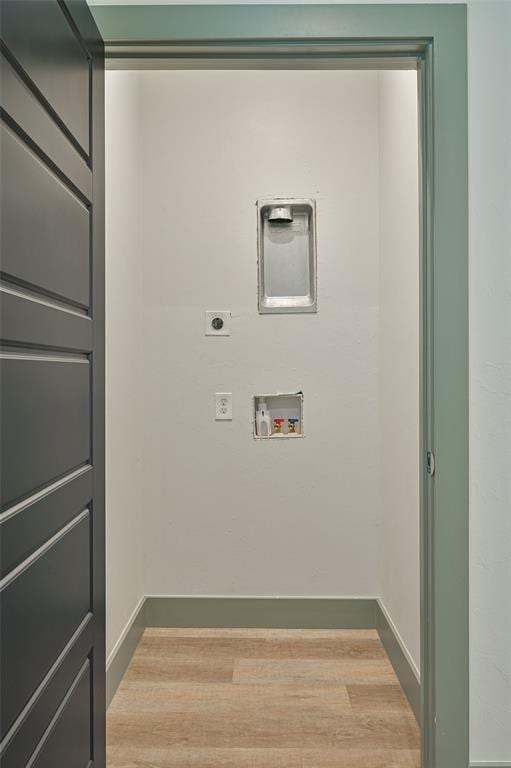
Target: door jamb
(445,731)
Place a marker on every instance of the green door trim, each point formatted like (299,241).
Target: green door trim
(433,38)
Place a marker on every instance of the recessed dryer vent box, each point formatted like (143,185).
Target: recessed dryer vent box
(286,416)
(286,239)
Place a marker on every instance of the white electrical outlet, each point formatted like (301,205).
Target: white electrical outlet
(217,323)
(223,406)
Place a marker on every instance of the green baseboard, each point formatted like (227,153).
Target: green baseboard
(265,613)
(125,649)
(402,666)
(491,765)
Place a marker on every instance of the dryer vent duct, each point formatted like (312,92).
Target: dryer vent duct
(280,214)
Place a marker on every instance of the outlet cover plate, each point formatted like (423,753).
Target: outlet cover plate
(223,406)
(211,316)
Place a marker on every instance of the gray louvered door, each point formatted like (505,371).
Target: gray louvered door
(52,386)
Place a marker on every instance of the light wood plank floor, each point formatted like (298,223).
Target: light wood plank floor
(239,698)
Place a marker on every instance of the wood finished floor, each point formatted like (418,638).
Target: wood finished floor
(240,698)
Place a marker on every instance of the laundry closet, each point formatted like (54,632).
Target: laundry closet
(263,349)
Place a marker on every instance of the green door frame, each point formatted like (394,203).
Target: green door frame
(433,38)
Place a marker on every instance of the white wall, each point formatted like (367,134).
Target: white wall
(207,143)
(124,343)
(222,513)
(231,515)
(399,355)
(490,378)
